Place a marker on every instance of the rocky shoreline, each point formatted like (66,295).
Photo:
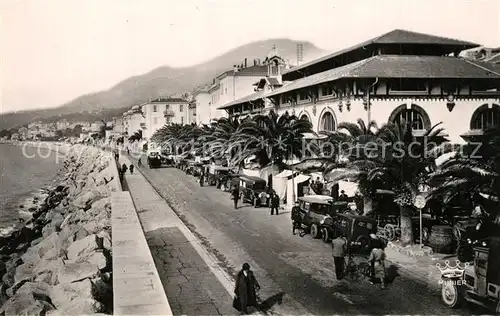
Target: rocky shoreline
(59,263)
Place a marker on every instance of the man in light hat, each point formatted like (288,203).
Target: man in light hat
(377,260)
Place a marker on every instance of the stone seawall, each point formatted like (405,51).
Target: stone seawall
(59,263)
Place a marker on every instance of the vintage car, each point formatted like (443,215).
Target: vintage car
(314,209)
(215,175)
(229,181)
(154,160)
(254,190)
(478,283)
(357,229)
(194,168)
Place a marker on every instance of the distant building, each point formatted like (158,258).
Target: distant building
(118,124)
(192,113)
(234,84)
(96,126)
(163,111)
(133,121)
(203,106)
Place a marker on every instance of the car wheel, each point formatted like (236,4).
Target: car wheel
(451,294)
(314,231)
(465,252)
(364,243)
(325,235)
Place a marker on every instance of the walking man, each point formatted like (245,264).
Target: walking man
(339,250)
(275,203)
(296,219)
(245,290)
(343,196)
(131,168)
(236,195)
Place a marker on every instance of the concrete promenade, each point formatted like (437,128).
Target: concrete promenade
(137,289)
(192,278)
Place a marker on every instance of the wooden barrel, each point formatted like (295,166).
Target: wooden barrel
(441,239)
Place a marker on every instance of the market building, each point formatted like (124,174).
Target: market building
(400,75)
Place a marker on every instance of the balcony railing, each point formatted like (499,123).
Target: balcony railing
(168,113)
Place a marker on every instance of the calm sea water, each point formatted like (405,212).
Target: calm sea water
(24,172)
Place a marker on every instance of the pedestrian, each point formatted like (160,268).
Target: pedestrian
(275,203)
(319,186)
(245,290)
(128,151)
(202,178)
(139,162)
(124,168)
(131,168)
(335,191)
(343,196)
(339,250)
(296,219)
(377,260)
(236,195)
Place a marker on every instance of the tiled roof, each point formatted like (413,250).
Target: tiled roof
(169,100)
(393,37)
(399,66)
(257,70)
(251,97)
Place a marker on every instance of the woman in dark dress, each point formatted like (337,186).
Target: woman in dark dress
(245,289)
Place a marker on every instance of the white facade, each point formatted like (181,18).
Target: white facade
(203,107)
(159,112)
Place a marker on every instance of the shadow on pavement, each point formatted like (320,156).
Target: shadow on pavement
(266,305)
(391,273)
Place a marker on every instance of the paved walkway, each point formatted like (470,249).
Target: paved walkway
(193,281)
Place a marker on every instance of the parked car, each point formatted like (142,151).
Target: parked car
(154,160)
(314,209)
(254,191)
(479,283)
(215,175)
(357,229)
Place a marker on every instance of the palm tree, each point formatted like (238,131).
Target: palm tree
(398,161)
(271,138)
(473,173)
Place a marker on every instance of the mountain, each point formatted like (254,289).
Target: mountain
(166,81)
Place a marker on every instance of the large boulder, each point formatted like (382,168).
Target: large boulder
(73,272)
(29,299)
(79,216)
(83,246)
(71,233)
(96,257)
(85,200)
(24,272)
(66,294)
(47,271)
(54,225)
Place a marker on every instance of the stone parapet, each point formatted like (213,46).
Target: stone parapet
(137,288)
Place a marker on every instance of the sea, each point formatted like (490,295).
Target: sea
(26,173)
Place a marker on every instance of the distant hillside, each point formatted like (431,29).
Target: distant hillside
(165,80)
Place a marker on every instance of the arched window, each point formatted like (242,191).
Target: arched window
(304,117)
(327,122)
(416,116)
(485,117)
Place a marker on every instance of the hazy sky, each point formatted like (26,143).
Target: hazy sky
(54,50)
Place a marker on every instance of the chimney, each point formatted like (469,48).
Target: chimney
(255,62)
(258,61)
(245,63)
